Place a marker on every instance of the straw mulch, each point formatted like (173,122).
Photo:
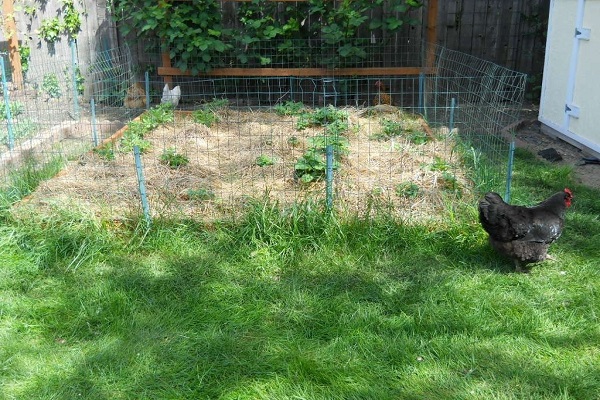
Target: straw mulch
(407,179)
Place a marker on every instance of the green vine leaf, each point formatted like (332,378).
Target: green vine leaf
(195,36)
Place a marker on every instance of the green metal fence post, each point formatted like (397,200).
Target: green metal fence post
(452,108)
(511,156)
(9,122)
(147,85)
(139,168)
(329,160)
(74,76)
(94,122)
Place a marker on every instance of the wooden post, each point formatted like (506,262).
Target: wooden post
(432,17)
(166,63)
(13,43)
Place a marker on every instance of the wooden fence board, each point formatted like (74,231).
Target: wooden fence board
(493,30)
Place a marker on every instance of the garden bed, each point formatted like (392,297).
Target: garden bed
(385,157)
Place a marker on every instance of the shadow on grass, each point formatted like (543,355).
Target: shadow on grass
(379,311)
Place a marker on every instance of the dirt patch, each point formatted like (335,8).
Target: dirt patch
(413,178)
(529,136)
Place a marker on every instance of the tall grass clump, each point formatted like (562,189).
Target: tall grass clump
(23,181)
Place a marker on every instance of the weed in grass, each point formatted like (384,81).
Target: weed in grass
(449,182)
(25,180)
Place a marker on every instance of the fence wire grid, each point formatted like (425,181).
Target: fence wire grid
(407,143)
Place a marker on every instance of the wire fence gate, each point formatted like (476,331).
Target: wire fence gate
(407,143)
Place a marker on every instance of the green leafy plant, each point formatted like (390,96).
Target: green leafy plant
(408,128)
(150,120)
(50,29)
(71,24)
(289,108)
(340,144)
(132,137)
(205,117)
(157,115)
(264,160)
(201,194)
(321,117)
(216,104)
(51,86)
(25,56)
(293,141)
(439,164)
(105,152)
(79,78)
(407,189)
(448,182)
(207,114)
(311,166)
(23,129)
(192,31)
(198,40)
(16,108)
(173,159)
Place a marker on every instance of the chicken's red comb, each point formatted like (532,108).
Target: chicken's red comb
(568,191)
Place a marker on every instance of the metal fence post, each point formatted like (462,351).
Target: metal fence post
(9,122)
(94,122)
(74,77)
(147,87)
(329,160)
(139,168)
(421,93)
(452,108)
(511,156)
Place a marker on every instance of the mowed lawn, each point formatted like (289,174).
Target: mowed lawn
(296,304)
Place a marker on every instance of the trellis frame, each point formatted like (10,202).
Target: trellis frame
(167,71)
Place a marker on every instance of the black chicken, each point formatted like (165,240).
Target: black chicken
(524,233)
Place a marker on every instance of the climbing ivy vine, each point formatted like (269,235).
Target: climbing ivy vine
(67,21)
(198,39)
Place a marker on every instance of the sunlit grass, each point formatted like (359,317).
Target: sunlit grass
(290,304)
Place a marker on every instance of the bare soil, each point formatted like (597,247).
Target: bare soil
(529,136)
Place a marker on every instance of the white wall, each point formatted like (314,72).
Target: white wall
(571,74)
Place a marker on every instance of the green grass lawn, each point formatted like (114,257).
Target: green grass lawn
(296,305)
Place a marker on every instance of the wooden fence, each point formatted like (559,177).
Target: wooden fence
(508,32)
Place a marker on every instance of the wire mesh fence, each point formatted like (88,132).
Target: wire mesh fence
(394,141)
